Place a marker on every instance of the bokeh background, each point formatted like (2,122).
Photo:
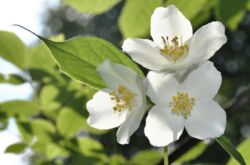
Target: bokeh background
(42,111)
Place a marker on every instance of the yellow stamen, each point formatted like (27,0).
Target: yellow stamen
(175,50)
(122,97)
(182,104)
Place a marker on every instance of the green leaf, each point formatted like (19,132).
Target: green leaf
(2,78)
(16,148)
(191,154)
(39,57)
(79,57)
(243,148)
(42,129)
(3,121)
(227,145)
(48,97)
(187,7)
(231,12)
(69,122)
(19,108)
(135,17)
(146,157)
(93,6)
(53,151)
(12,79)
(88,146)
(117,160)
(12,49)
(91,148)
(24,129)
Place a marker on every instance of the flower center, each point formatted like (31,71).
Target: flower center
(182,104)
(174,50)
(122,97)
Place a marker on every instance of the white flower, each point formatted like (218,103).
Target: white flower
(186,104)
(175,47)
(122,104)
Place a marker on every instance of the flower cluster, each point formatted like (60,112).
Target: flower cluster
(181,83)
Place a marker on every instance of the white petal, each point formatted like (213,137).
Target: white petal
(203,82)
(145,52)
(163,127)
(207,120)
(117,74)
(206,41)
(169,22)
(102,115)
(130,125)
(162,87)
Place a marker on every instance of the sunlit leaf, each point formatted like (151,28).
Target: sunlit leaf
(12,49)
(146,157)
(42,129)
(189,8)
(227,145)
(93,6)
(135,17)
(243,148)
(69,122)
(53,151)
(19,108)
(39,57)
(48,96)
(83,55)
(15,148)
(89,146)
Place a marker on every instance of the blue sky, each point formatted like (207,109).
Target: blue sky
(29,13)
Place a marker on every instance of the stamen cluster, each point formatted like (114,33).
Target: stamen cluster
(175,50)
(122,97)
(182,104)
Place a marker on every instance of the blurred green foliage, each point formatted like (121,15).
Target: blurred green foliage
(53,123)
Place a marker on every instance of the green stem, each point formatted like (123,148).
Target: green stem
(165,155)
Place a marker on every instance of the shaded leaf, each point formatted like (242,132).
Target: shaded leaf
(191,154)
(227,145)
(16,148)
(230,12)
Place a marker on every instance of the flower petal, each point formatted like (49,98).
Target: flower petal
(207,120)
(145,52)
(162,87)
(169,22)
(130,125)
(102,115)
(117,74)
(206,41)
(162,127)
(203,82)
